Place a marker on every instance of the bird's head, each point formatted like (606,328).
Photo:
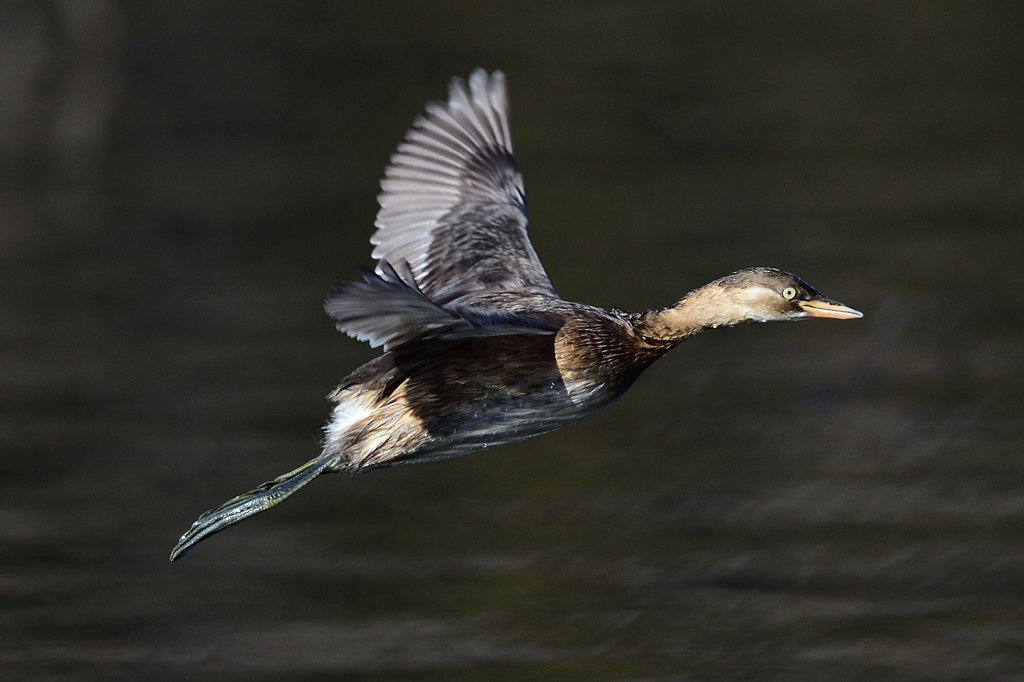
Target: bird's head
(767,295)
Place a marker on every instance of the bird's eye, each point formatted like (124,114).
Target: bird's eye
(789,293)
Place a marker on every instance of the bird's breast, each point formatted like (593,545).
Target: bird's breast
(598,360)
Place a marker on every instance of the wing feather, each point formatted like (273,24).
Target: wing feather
(453,205)
(388,309)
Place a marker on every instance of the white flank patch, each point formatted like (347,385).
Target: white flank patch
(345,414)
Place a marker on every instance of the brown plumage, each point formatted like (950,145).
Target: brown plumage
(479,350)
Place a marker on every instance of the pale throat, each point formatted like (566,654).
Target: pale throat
(707,308)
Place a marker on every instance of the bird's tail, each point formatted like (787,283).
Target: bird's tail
(252,502)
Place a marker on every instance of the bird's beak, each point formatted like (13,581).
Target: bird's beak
(837,311)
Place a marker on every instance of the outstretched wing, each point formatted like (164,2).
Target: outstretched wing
(453,205)
(389,310)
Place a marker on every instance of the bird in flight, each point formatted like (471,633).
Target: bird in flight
(479,349)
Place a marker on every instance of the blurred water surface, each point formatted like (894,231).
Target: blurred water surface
(182,183)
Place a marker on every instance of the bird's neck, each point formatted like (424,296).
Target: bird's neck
(709,307)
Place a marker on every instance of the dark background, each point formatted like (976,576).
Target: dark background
(181,183)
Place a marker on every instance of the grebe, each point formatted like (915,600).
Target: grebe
(479,350)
